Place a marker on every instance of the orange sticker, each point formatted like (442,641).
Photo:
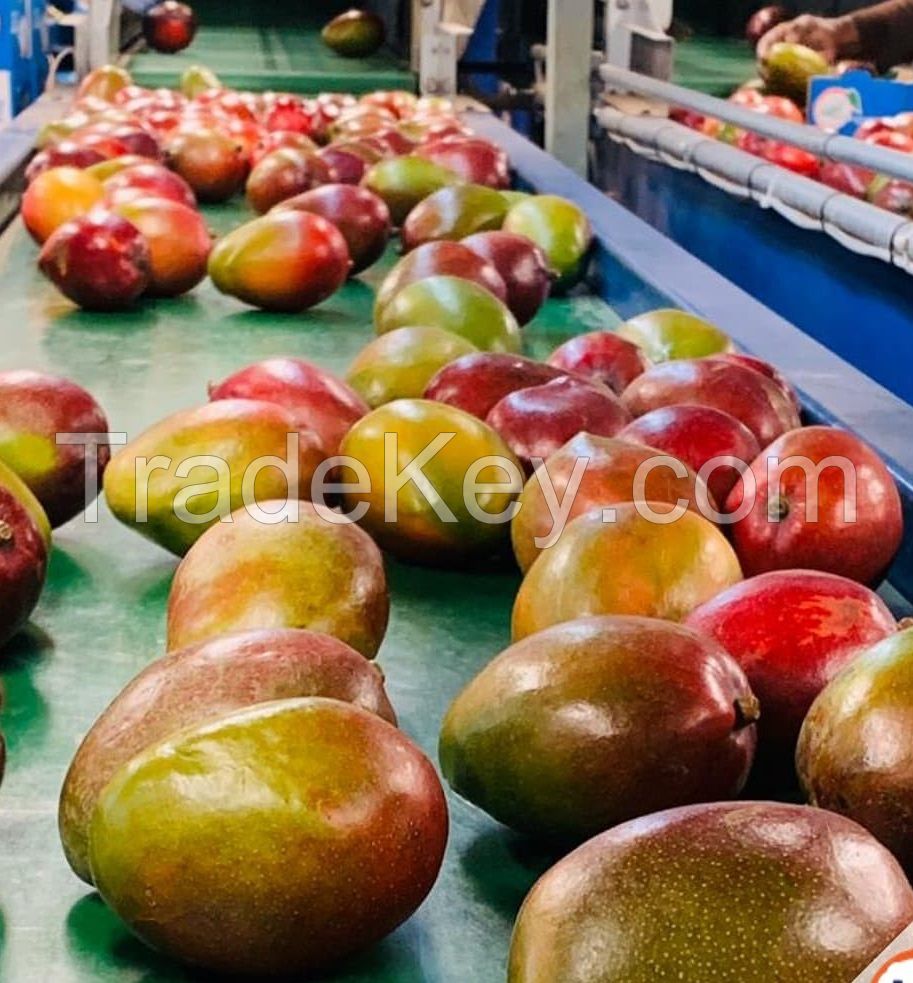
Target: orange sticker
(898,969)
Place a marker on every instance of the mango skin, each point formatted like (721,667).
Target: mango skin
(402,182)
(355,34)
(285,261)
(609,479)
(456,305)
(668,335)
(527,739)
(453,214)
(311,573)
(748,891)
(24,555)
(11,482)
(632,566)
(560,229)
(854,750)
(201,683)
(399,365)
(237,431)
(305,829)
(419,533)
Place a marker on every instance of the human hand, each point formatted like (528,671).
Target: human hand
(833,37)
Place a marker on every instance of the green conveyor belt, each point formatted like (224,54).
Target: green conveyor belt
(267,45)
(716,66)
(102,618)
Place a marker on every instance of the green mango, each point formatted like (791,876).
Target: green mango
(456,305)
(402,182)
(788,68)
(560,229)
(355,34)
(399,365)
(160,485)
(307,572)
(526,739)
(454,213)
(669,335)
(751,892)
(278,839)
(205,681)
(198,79)
(852,756)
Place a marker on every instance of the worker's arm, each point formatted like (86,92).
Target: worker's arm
(882,34)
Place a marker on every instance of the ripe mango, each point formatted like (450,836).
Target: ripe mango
(527,739)
(276,840)
(610,478)
(748,891)
(200,683)
(311,573)
(456,305)
(399,365)
(631,565)
(435,452)
(204,463)
(852,756)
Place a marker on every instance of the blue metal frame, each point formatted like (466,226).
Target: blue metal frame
(637,268)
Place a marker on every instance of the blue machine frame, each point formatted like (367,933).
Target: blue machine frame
(637,269)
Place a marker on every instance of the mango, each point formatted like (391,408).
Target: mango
(456,305)
(439,259)
(276,840)
(399,365)
(668,335)
(748,891)
(631,565)
(285,261)
(453,214)
(402,182)
(560,229)
(200,683)
(788,68)
(202,464)
(852,756)
(11,481)
(25,536)
(526,740)
(198,79)
(612,470)
(355,34)
(310,572)
(455,482)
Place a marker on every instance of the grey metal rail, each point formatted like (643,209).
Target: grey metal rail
(855,224)
(843,150)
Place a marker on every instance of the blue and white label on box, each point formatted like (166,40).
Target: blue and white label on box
(841,104)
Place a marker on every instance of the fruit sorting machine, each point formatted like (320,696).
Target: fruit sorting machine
(102,617)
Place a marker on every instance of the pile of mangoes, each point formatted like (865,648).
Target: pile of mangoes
(781,92)
(697,600)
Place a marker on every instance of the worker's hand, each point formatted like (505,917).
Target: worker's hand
(833,37)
